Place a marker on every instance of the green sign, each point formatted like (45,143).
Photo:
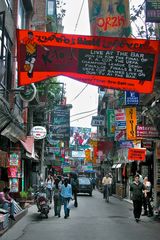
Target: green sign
(110,122)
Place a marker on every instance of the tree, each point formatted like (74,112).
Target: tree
(141,28)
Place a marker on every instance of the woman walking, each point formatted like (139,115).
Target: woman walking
(66,194)
(49,186)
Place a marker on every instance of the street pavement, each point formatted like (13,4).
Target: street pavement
(94,219)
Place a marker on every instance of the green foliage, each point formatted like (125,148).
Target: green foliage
(24,195)
(52,90)
(142,28)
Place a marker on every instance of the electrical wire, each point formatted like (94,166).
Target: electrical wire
(79,16)
(83,112)
(79,93)
(83,117)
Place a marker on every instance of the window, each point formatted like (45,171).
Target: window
(51,7)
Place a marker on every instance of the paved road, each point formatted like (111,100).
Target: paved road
(94,219)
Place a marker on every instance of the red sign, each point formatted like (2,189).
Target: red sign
(136,154)
(118,63)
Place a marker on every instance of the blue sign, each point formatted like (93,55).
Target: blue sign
(120,124)
(131,98)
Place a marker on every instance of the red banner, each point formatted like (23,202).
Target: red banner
(118,63)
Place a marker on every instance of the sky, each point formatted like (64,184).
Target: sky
(88,99)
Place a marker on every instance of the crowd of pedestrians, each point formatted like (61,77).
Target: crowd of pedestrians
(62,190)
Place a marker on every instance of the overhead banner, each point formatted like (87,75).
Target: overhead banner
(131,122)
(118,63)
(109,18)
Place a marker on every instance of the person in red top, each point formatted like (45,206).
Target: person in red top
(7,202)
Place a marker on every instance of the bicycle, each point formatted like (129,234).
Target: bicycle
(106,193)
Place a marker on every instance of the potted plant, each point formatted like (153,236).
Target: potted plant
(23,198)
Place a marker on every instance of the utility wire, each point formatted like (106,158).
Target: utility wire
(79,93)
(79,16)
(83,112)
(83,117)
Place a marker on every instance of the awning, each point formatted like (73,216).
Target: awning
(114,165)
(28,144)
(13,132)
(119,165)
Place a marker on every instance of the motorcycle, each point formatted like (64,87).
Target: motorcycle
(42,201)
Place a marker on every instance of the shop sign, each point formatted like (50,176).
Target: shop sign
(13,159)
(126,144)
(120,135)
(147,131)
(137,154)
(131,122)
(147,144)
(13,184)
(38,132)
(131,98)
(153,11)
(28,92)
(97,121)
(120,115)
(110,122)
(66,169)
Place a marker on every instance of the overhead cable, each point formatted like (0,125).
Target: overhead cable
(79,16)
(83,117)
(83,112)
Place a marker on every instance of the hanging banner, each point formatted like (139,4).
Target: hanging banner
(131,122)
(109,18)
(118,63)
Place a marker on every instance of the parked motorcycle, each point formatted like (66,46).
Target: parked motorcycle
(42,201)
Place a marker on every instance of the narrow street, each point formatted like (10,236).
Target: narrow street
(93,219)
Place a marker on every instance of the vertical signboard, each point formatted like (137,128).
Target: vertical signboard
(110,123)
(131,122)
(109,18)
(60,128)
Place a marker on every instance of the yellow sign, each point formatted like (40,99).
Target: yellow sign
(88,155)
(131,122)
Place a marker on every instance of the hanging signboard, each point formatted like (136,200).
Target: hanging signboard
(110,122)
(131,122)
(153,11)
(117,63)
(136,154)
(131,98)
(147,131)
(97,121)
(109,18)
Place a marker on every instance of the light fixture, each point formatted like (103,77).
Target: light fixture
(154,103)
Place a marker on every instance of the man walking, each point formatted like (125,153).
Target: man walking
(137,189)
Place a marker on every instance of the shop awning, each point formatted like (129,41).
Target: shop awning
(28,144)
(119,165)
(114,165)
(13,132)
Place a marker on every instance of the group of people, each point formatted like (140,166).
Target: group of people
(141,195)
(62,190)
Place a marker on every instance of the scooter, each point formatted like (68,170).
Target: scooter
(42,201)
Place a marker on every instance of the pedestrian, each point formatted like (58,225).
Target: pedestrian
(7,202)
(57,198)
(140,176)
(49,187)
(75,187)
(66,194)
(106,182)
(148,211)
(137,189)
